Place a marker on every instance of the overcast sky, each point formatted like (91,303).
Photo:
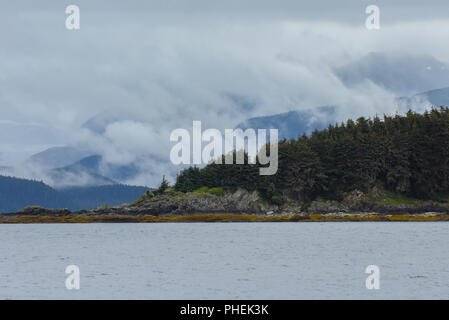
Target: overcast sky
(347,11)
(158,65)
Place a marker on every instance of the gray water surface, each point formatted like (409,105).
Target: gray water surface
(225,260)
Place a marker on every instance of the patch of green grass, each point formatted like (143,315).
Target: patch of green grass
(201,190)
(206,190)
(216,191)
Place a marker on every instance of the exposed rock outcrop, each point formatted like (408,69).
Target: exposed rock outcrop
(172,203)
(40,211)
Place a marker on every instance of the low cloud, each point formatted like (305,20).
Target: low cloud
(158,72)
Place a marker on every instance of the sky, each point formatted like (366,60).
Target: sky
(157,65)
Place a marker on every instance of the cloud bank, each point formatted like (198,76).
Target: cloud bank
(156,70)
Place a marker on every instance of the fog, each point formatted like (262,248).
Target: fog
(155,66)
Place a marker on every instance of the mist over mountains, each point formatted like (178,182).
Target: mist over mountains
(96,107)
(422,101)
(57,157)
(293,124)
(403,74)
(69,166)
(96,159)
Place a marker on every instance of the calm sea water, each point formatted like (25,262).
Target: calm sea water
(225,260)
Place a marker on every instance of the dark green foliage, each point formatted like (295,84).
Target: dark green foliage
(406,154)
(300,173)
(190,179)
(163,186)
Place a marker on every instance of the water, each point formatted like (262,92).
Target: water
(225,260)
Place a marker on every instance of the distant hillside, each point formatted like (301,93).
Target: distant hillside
(79,198)
(16,194)
(400,73)
(57,157)
(95,166)
(425,100)
(85,172)
(293,124)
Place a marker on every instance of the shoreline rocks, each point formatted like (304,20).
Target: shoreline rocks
(239,202)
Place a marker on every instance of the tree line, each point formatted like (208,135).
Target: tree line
(406,154)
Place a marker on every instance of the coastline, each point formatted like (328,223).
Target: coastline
(237,206)
(192,218)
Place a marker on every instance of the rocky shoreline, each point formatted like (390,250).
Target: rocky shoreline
(240,205)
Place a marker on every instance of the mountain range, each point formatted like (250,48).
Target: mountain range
(424,100)
(68,166)
(292,124)
(16,194)
(99,169)
(57,157)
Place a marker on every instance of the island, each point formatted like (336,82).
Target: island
(390,169)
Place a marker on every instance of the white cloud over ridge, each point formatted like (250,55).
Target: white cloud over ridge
(158,72)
